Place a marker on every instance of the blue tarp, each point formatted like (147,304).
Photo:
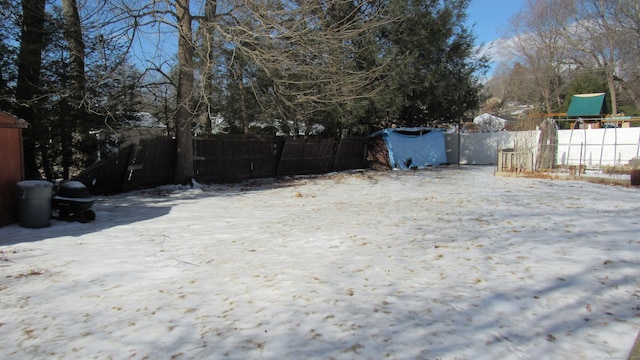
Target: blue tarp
(414,147)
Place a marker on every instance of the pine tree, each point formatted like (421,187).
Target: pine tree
(434,78)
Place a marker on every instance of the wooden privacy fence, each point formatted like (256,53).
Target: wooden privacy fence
(301,157)
(350,154)
(235,159)
(224,159)
(148,164)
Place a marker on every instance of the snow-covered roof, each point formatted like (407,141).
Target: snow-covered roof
(488,122)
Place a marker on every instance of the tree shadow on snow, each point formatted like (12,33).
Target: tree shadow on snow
(110,212)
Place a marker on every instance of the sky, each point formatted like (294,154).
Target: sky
(490,18)
(447,263)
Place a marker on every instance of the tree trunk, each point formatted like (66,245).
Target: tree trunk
(243,102)
(547,145)
(73,35)
(208,74)
(613,92)
(184,145)
(28,83)
(307,127)
(69,122)
(546,95)
(609,58)
(66,117)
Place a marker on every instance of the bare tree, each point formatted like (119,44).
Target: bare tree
(304,55)
(73,35)
(514,84)
(538,41)
(208,48)
(628,19)
(595,34)
(304,52)
(556,39)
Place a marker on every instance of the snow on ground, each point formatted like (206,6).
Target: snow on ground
(446,263)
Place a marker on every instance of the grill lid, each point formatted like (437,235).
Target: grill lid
(73,190)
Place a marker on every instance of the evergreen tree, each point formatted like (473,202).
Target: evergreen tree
(8,52)
(434,77)
(28,86)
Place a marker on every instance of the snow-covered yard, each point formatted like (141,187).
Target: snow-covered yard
(446,263)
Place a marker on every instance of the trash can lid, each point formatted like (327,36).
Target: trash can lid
(35,183)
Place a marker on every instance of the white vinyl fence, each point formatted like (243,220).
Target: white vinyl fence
(598,147)
(590,147)
(482,148)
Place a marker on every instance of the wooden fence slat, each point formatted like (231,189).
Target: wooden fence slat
(350,154)
(105,177)
(235,159)
(302,157)
(291,158)
(151,164)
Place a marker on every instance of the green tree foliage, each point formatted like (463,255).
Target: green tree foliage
(585,82)
(350,65)
(28,93)
(416,62)
(9,29)
(434,74)
(39,83)
(290,63)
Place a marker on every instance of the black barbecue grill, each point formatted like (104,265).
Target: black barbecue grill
(73,201)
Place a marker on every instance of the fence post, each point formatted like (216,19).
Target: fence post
(580,161)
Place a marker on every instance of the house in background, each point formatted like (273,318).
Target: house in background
(11,165)
(489,123)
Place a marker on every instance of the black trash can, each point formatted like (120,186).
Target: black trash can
(34,203)
(635,177)
(635,171)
